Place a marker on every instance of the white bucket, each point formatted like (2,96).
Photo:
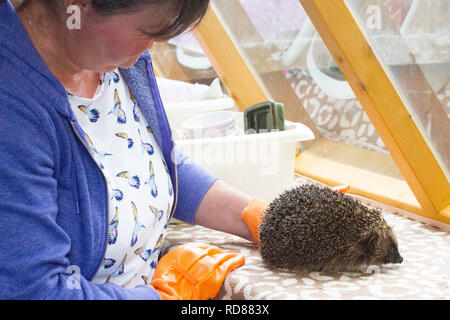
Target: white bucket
(261,165)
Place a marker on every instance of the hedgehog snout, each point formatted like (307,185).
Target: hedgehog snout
(394,257)
(398,259)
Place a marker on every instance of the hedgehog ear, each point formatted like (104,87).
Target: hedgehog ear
(369,242)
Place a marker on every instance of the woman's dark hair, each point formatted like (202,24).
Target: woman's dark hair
(187,13)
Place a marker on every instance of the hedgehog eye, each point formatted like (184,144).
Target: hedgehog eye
(392,250)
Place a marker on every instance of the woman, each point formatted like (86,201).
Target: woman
(88,171)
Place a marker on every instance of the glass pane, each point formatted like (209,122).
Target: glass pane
(184,71)
(182,59)
(292,62)
(412,40)
(186,79)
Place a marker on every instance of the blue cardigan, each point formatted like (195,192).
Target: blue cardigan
(53,198)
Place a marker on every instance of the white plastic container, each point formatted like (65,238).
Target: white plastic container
(210,124)
(260,164)
(183,100)
(178,112)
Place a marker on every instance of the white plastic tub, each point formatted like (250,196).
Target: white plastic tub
(210,124)
(183,100)
(178,112)
(261,164)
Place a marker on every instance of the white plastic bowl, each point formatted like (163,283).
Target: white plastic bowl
(178,112)
(211,124)
(260,164)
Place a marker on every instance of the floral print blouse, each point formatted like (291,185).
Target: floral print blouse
(139,184)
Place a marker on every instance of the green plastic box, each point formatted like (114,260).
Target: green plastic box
(266,116)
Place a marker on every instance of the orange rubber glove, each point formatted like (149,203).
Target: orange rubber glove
(254,212)
(194,271)
(165,291)
(341,189)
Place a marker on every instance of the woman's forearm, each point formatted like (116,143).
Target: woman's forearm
(221,210)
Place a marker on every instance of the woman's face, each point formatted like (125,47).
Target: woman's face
(104,43)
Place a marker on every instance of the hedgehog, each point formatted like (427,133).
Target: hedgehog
(315,228)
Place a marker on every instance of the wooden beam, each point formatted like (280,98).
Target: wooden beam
(446,212)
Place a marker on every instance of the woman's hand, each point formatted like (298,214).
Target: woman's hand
(194,271)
